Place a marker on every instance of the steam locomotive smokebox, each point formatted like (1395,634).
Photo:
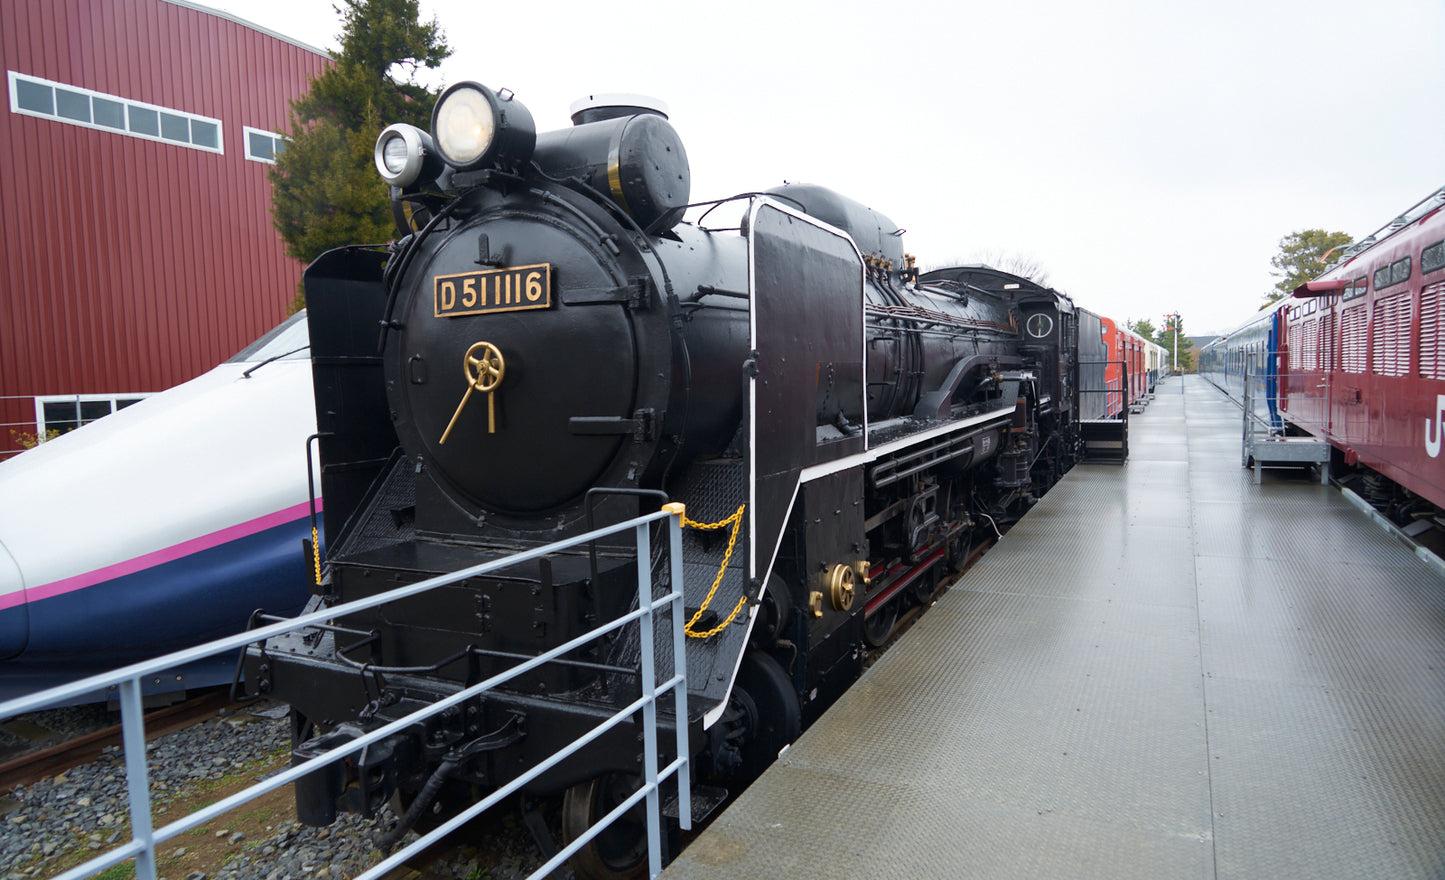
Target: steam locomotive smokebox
(638,161)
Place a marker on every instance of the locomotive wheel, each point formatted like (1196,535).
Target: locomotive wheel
(619,852)
(878,626)
(774,611)
(923,589)
(765,695)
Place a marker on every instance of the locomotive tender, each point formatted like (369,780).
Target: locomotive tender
(546,348)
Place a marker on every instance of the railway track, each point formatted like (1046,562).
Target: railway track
(33,766)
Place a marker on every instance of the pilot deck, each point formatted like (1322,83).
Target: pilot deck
(1163,671)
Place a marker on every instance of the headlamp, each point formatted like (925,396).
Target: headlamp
(474,127)
(404,153)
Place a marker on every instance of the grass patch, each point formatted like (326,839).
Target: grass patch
(198,849)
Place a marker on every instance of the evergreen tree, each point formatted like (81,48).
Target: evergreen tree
(1144,327)
(325,189)
(1302,256)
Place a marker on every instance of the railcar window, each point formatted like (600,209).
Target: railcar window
(1432,323)
(1400,271)
(1390,342)
(1433,257)
(34,96)
(1382,277)
(1360,287)
(1352,339)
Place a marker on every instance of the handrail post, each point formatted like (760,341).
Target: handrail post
(1246,426)
(679,655)
(649,707)
(137,776)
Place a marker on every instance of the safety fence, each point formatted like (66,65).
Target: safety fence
(1265,441)
(1104,410)
(145,838)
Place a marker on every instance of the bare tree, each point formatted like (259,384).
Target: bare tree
(1017,263)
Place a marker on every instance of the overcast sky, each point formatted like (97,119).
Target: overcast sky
(1149,155)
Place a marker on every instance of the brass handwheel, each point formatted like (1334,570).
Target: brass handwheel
(484,366)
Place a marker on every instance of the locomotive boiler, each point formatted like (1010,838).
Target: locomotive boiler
(547,347)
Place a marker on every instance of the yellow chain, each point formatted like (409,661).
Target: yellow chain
(736,521)
(316,553)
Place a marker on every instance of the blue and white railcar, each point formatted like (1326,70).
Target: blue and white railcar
(163,525)
(1253,345)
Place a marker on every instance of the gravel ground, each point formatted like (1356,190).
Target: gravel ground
(86,808)
(52,726)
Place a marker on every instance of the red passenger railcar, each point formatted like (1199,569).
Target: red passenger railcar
(1362,362)
(1126,372)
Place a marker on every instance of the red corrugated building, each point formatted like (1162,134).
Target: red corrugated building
(136,243)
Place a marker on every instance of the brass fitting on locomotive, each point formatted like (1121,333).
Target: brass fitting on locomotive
(840,583)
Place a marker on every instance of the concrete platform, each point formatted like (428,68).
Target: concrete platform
(1163,671)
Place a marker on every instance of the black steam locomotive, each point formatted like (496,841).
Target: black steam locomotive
(548,348)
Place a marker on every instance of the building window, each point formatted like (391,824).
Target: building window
(263,146)
(33,96)
(67,412)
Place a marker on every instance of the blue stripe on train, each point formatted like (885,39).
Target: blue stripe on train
(164,608)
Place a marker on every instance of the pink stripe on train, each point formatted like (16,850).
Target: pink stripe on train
(159,557)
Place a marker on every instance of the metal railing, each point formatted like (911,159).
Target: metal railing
(145,838)
(1265,440)
(1113,387)
(1104,430)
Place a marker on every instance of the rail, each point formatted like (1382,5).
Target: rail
(1265,441)
(145,838)
(1104,428)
